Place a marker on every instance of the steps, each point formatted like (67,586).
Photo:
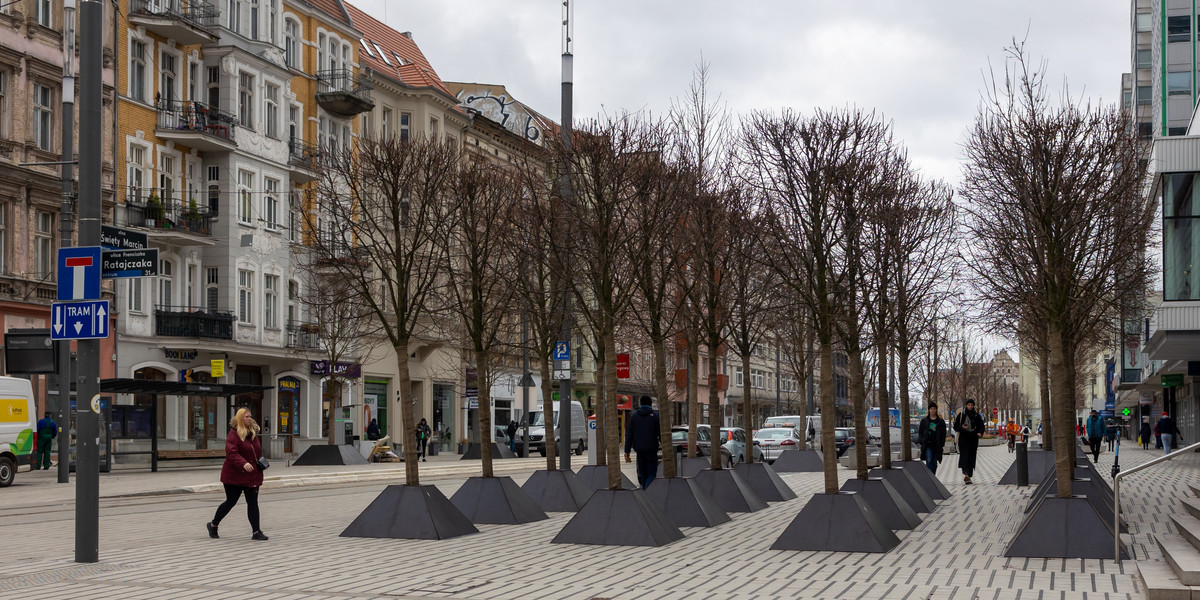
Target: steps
(1177,577)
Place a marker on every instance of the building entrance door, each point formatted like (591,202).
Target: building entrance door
(289,411)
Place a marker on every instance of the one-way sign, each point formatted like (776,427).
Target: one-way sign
(79,320)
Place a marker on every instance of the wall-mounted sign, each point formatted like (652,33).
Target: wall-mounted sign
(180,355)
(217,367)
(345,369)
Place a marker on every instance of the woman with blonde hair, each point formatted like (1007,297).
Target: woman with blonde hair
(240,473)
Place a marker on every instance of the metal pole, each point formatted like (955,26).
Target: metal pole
(66,224)
(778,379)
(564,386)
(1022,464)
(87,479)
(525,382)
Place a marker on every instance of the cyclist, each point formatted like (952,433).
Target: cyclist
(1011,431)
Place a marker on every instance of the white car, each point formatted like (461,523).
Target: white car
(774,440)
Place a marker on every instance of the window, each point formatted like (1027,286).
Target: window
(1174,131)
(293,124)
(385,123)
(271,301)
(168,76)
(293,295)
(43,244)
(272,112)
(1179,29)
(405,119)
(166,292)
(245,294)
(3,102)
(757,379)
(134,294)
(1144,92)
(193,80)
(43,118)
(366,47)
(246,100)
(166,180)
(135,177)
(332,54)
(1143,22)
(433,128)
(42,10)
(1143,59)
(321,59)
(137,70)
(214,87)
(191,286)
(1179,83)
(293,221)
(245,197)
(291,43)
(272,17)
(211,292)
(254,19)
(382,54)
(233,16)
(272,204)
(737,377)
(3,238)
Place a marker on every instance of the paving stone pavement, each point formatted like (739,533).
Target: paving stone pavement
(156,547)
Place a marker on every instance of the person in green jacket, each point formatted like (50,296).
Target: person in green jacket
(47,430)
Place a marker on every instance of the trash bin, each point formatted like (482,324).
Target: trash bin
(433,448)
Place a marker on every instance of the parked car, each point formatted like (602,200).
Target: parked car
(843,439)
(679,441)
(774,440)
(734,440)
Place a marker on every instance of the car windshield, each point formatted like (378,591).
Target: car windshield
(679,436)
(841,434)
(538,418)
(773,434)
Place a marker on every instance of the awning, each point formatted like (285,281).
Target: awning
(1174,344)
(177,388)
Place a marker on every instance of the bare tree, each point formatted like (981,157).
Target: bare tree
(1058,222)
(381,223)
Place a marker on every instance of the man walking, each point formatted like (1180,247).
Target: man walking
(47,430)
(1168,432)
(1095,433)
(931,437)
(969,427)
(642,436)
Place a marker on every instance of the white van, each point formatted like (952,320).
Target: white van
(537,428)
(18,426)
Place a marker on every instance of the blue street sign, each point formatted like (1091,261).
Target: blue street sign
(562,351)
(79,274)
(79,320)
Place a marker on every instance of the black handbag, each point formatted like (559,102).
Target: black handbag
(262,464)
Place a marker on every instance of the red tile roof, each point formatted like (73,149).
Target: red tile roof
(332,8)
(416,72)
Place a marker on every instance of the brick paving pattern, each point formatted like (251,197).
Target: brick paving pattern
(156,547)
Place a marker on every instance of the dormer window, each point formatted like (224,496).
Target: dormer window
(367,47)
(382,54)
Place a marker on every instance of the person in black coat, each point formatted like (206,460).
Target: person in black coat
(931,437)
(969,427)
(642,435)
(1145,433)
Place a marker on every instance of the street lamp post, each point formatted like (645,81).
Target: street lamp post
(564,386)
(66,224)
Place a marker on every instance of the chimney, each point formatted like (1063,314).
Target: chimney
(407,34)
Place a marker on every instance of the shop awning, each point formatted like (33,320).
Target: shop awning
(177,388)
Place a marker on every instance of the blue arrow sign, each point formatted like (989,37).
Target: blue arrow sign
(79,320)
(79,273)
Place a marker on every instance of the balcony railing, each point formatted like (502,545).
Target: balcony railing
(303,154)
(344,92)
(194,12)
(303,336)
(195,117)
(193,321)
(164,210)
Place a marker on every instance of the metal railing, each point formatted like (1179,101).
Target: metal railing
(303,154)
(164,210)
(301,335)
(192,321)
(194,12)
(195,117)
(1117,492)
(344,80)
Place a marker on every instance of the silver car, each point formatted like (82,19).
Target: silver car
(774,440)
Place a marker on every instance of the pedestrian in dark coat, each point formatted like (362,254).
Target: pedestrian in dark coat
(1168,432)
(1145,434)
(47,430)
(642,435)
(931,437)
(1095,430)
(512,434)
(423,432)
(969,427)
(373,432)
(240,473)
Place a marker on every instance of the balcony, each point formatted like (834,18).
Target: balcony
(196,125)
(166,215)
(188,22)
(303,336)
(304,160)
(193,322)
(342,92)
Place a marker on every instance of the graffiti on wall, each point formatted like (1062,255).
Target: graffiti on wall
(503,110)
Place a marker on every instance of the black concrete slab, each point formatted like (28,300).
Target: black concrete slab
(412,512)
(731,492)
(557,491)
(328,455)
(927,480)
(1064,528)
(499,451)
(799,461)
(842,522)
(619,518)
(595,477)
(496,500)
(891,507)
(908,488)
(685,503)
(1084,488)
(1040,461)
(688,467)
(764,481)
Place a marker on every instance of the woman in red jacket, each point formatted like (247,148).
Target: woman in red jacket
(240,472)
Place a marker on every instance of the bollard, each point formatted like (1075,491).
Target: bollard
(1022,464)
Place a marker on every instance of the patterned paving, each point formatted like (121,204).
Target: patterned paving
(155,547)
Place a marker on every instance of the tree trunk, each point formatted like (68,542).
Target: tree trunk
(602,422)
(547,415)
(858,399)
(714,406)
(612,440)
(664,407)
(407,419)
(485,410)
(746,424)
(333,387)
(1044,393)
(828,447)
(1064,465)
(693,393)
(885,406)
(905,430)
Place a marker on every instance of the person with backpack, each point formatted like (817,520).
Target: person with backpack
(969,427)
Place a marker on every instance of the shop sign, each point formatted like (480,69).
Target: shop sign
(180,355)
(289,384)
(345,369)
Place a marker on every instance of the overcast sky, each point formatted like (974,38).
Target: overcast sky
(919,62)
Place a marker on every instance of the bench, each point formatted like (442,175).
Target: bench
(190,454)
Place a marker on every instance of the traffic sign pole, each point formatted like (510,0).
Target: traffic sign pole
(66,226)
